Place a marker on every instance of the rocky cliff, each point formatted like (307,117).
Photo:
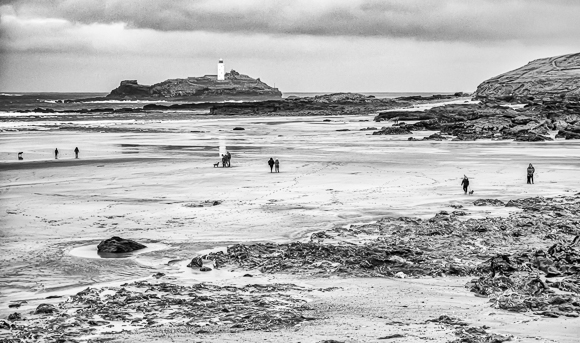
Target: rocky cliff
(235,86)
(544,80)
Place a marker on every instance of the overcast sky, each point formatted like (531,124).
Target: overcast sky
(303,45)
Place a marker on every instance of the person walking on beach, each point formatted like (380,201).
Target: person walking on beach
(20,158)
(465,183)
(531,171)
(271,163)
(77,152)
(56,154)
(277,165)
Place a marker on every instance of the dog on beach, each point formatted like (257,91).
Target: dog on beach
(471,192)
(215,165)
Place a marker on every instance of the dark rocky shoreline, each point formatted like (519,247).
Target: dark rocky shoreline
(469,122)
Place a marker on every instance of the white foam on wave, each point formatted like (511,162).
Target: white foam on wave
(11,94)
(122,101)
(424,107)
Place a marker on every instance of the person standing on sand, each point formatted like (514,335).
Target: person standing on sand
(531,171)
(465,183)
(77,152)
(271,163)
(277,164)
(56,154)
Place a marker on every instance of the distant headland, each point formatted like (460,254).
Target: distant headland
(223,86)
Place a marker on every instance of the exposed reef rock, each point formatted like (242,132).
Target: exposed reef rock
(546,79)
(393,130)
(469,122)
(118,245)
(570,132)
(207,87)
(328,104)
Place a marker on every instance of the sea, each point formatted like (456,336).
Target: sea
(12,102)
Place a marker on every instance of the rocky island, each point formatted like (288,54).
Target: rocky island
(207,88)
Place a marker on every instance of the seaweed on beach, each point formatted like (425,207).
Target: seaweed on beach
(467,333)
(530,287)
(143,304)
(512,255)
(443,245)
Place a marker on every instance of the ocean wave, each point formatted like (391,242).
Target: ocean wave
(10,94)
(122,101)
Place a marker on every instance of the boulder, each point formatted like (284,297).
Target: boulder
(393,130)
(196,262)
(435,137)
(118,245)
(14,317)
(45,309)
(430,125)
(4,325)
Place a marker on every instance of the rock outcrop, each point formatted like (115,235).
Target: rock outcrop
(469,122)
(235,85)
(328,104)
(393,130)
(118,245)
(546,79)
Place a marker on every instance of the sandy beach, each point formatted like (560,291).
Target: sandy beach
(160,188)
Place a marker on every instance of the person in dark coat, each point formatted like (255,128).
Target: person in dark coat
(77,152)
(271,163)
(465,183)
(56,154)
(229,159)
(531,171)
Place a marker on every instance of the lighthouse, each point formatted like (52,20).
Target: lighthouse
(221,74)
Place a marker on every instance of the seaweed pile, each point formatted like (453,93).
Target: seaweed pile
(508,253)
(517,284)
(469,334)
(143,304)
(447,244)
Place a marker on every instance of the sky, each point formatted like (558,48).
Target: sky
(296,45)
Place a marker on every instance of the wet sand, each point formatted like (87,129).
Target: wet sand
(147,186)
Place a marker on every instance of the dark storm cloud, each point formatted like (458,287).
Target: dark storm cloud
(430,20)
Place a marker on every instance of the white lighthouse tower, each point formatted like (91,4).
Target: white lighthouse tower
(221,75)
